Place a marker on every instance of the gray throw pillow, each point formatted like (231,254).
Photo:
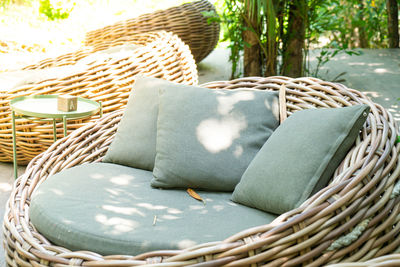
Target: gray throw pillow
(134,144)
(299,158)
(206,138)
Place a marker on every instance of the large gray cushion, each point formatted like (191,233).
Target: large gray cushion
(135,141)
(299,158)
(206,138)
(110,209)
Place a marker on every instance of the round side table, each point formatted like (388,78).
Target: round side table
(45,107)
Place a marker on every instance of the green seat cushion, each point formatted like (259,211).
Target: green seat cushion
(110,209)
(299,158)
(206,138)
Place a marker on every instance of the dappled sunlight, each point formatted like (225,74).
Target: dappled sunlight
(5,187)
(373,94)
(196,207)
(174,211)
(170,217)
(186,244)
(375,64)
(124,210)
(218,207)
(68,222)
(118,225)
(150,206)
(226,103)
(356,63)
(96,176)
(217,135)
(381,70)
(123,179)
(57,192)
(238,151)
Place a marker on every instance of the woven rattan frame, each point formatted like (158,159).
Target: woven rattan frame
(361,203)
(391,260)
(160,54)
(185,20)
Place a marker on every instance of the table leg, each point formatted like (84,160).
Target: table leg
(14,135)
(54,130)
(65,125)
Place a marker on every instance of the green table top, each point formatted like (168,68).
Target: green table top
(45,106)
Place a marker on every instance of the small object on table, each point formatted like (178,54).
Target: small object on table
(67,103)
(48,107)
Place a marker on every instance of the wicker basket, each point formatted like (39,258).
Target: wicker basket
(160,54)
(364,191)
(186,21)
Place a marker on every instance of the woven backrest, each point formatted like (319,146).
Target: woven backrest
(187,21)
(160,54)
(354,218)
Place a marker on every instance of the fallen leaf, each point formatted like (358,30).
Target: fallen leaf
(194,195)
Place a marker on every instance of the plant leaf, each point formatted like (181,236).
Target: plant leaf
(194,195)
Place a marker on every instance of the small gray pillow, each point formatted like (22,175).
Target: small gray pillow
(134,144)
(206,138)
(299,158)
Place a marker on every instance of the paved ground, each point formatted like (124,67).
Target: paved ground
(376,72)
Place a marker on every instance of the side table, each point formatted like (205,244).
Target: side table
(45,107)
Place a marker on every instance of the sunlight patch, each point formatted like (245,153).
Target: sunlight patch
(380,70)
(151,206)
(119,225)
(123,210)
(226,103)
(5,187)
(96,176)
(186,244)
(217,135)
(123,179)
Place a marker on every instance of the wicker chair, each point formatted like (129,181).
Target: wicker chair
(186,21)
(354,218)
(160,54)
(392,260)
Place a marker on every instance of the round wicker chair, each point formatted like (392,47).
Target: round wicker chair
(187,21)
(354,218)
(160,54)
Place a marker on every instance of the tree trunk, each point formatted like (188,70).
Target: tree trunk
(362,35)
(252,50)
(393,23)
(271,34)
(294,42)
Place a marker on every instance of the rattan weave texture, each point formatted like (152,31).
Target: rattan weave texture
(391,260)
(361,204)
(185,20)
(161,54)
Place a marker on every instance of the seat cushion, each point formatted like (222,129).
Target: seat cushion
(110,209)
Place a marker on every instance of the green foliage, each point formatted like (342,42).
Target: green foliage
(47,9)
(335,26)
(232,28)
(349,23)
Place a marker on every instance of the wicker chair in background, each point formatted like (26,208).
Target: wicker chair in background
(160,54)
(186,21)
(354,218)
